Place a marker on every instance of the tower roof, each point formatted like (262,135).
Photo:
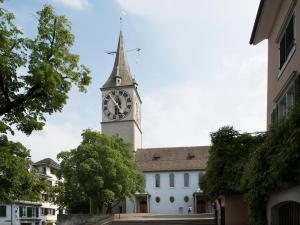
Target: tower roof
(121,68)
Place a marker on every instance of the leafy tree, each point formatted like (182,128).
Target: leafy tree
(273,166)
(100,170)
(16,179)
(228,156)
(49,68)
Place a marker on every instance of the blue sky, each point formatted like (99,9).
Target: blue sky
(196,71)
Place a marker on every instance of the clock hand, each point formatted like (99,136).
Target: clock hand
(116,104)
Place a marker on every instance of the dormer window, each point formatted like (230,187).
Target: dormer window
(156,157)
(190,156)
(118,81)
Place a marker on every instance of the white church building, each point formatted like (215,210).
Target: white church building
(172,174)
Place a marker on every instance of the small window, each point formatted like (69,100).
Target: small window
(186,180)
(2,210)
(53,212)
(157,180)
(172,180)
(44,170)
(186,199)
(172,199)
(200,177)
(287,42)
(156,157)
(52,171)
(21,211)
(118,81)
(157,199)
(36,212)
(190,156)
(29,211)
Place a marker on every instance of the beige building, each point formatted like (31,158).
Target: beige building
(278,21)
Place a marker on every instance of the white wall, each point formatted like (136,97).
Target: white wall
(6,220)
(165,191)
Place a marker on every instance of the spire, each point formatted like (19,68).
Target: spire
(120,75)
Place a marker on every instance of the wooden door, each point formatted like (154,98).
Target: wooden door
(201,206)
(143,206)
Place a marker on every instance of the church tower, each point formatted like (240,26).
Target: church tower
(121,103)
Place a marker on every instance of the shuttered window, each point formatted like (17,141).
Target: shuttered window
(2,210)
(29,211)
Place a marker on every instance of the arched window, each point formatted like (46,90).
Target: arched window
(172,179)
(186,180)
(200,177)
(157,180)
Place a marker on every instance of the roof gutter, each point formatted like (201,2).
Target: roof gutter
(257,19)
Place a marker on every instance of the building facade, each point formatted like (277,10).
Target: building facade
(278,22)
(177,169)
(172,180)
(33,213)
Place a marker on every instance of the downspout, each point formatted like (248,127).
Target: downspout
(11,212)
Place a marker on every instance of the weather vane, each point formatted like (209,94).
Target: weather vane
(137,50)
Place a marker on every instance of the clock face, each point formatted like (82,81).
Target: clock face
(117,105)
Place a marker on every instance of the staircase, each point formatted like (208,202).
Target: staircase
(163,219)
(137,219)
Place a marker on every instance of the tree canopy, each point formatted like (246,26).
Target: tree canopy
(16,179)
(36,74)
(101,170)
(273,166)
(228,156)
(255,166)
(35,77)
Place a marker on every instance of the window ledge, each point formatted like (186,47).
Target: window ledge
(286,62)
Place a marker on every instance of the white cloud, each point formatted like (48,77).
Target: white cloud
(188,112)
(220,79)
(53,139)
(76,4)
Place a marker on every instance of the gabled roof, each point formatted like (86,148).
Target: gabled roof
(47,162)
(265,18)
(172,159)
(121,68)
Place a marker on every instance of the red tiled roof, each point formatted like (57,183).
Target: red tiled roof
(172,159)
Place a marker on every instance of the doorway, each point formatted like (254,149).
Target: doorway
(201,206)
(143,206)
(286,213)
